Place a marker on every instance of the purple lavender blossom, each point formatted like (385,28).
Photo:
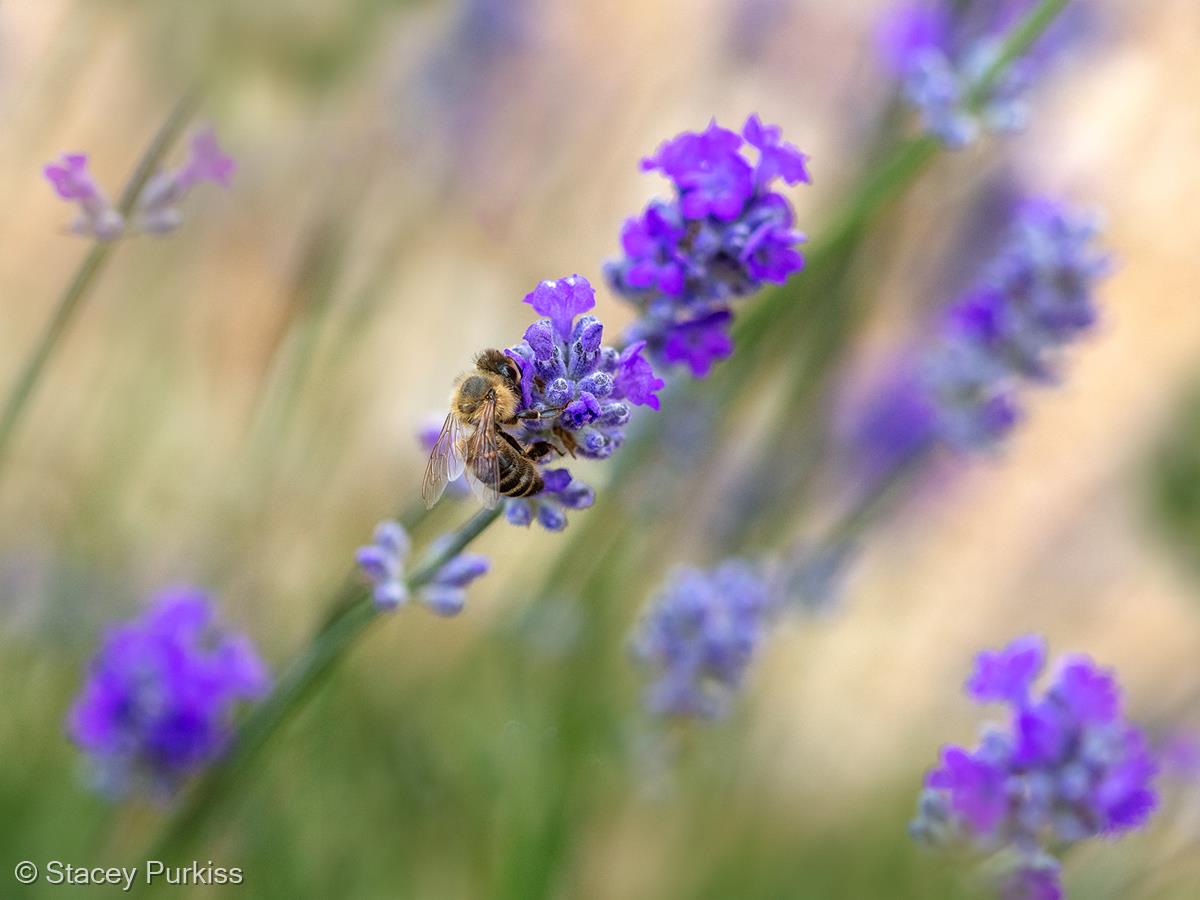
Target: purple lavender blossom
(157,208)
(699,636)
(582,389)
(940,51)
(158,205)
(73,182)
(723,235)
(383,562)
(1034,298)
(1068,767)
(160,695)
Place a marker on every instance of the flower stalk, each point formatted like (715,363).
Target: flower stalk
(93,264)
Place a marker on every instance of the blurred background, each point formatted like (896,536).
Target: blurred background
(236,406)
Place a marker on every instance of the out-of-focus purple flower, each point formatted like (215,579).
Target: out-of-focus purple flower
(723,235)
(160,695)
(582,390)
(207,162)
(158,205)
(699,636)
(1034,298)
(1067,768)
(890,423)
(383,562)
(1038,878)
(73,182)
(699,343)
(940,51)
(1006,675)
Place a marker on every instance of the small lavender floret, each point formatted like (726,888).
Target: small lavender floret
(73,182)
(723,235)
(384,560)
(699,637)
(1033,299)
(1068,767)
(158,205)
(160,695)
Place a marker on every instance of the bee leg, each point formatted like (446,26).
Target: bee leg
(538,449)
(536,414)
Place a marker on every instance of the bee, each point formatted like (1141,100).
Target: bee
(472,442)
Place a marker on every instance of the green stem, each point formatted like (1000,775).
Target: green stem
(85,276)
(1017,43)
(305,674)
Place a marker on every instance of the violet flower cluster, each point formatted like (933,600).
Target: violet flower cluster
(159,699)
(583,389)
(723,235)
(1065,768)
(700,635)
(157,207)
(1034,298)
(383,562)
(939,51)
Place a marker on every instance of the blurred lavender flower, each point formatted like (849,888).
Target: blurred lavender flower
(700,635)
(584,389)
(160,695)
(724,235)
(73,182)
(940,50)
(1067,768)
(383,562)
(1034,298)
(157,207)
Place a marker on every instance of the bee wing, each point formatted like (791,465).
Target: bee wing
(483,459)
(445,462)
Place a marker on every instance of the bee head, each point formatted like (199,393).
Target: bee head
(499,364)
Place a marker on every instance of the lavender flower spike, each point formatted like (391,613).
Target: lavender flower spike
(160,695)
(1066,768)
(71,180)
(1032,300)
(583,389)
(383,563)
(723,235)
(158,205)
(700,635)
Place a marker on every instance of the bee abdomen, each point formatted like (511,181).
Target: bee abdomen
(519,478)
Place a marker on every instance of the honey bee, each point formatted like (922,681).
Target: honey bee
(472,441)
